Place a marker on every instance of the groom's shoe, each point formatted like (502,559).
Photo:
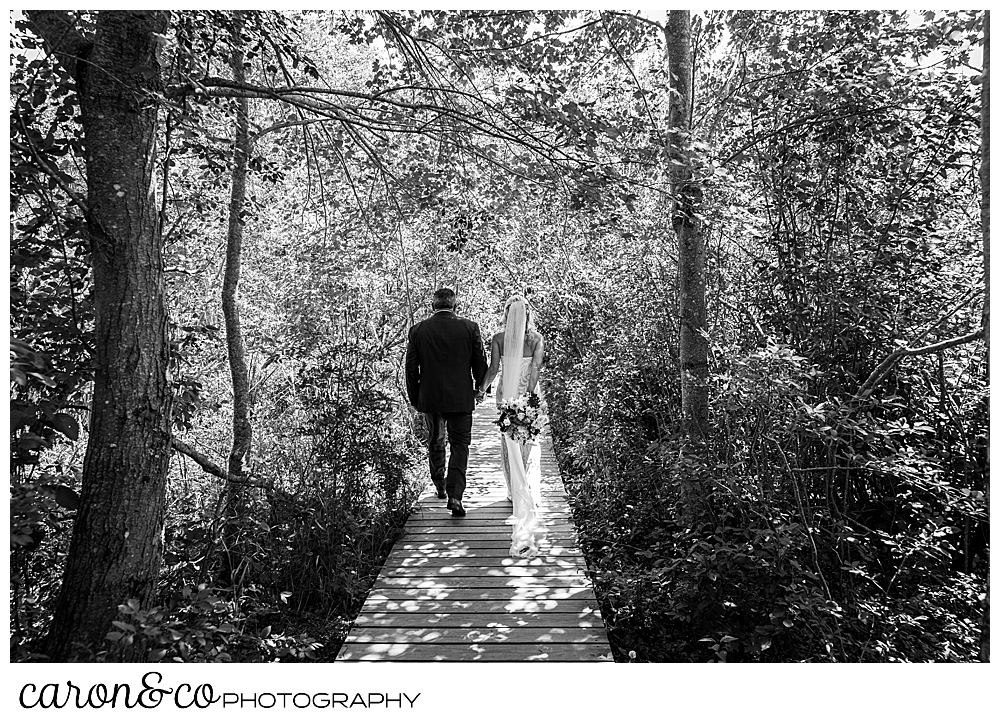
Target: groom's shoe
(439,485)
(455,505)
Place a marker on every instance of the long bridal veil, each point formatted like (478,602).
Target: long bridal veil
(524,488)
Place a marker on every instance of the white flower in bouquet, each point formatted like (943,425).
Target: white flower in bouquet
(521,418)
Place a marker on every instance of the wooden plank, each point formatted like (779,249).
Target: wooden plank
(494,634)
(458,531)
(478,619)
(488,513)
(493,558)
(480,577)
(492,520)
(425,583)
(502,516)
(468,532)
(555,536)
(480,565)
(493,504)
(488,538)
(551,493)
(477,568)
(484,510)
(576,591)
(475,526)
(510,572)
(478,652)
(481,548)
(564,539)
(499,550)
(550,490)
(379,603)
(553,500)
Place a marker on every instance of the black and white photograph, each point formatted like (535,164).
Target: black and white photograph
(346,337)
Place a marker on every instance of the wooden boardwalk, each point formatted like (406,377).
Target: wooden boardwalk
(450,591)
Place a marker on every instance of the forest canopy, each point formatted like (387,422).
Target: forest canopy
(754,242)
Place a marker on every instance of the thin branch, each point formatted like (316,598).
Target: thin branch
(825,117)
(285,124)
(536,38)
(628,67)
(883,369)
(44,166)
(637,16)
(215,469)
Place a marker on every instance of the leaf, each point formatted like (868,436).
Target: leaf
(65,497)
(68,425)
(47,381)
(21,418)
(31,441)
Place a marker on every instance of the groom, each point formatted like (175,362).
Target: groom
(445,363)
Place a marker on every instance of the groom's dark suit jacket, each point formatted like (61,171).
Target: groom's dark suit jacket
(444,362)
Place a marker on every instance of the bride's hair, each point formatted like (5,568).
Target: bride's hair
(529,318)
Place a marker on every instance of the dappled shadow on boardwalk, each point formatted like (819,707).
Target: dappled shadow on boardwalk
(450,591)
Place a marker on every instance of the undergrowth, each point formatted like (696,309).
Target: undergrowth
(784,568)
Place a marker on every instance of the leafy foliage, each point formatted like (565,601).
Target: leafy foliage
(491,151)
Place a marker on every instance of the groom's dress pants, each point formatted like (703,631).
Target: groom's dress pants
(456,429)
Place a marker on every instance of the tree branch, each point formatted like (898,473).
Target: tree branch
(315,99)
(815,119)
(285,124)
(648,21)
(628,67)
(46,168)
(214,469)
(887,364)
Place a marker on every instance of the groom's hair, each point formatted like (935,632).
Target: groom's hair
(443,299)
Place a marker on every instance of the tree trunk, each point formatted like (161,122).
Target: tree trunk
(115,551)
(690,233)
(242,431)
(984,179)
(688,227)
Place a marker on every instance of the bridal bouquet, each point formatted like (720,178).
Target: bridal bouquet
(522,418)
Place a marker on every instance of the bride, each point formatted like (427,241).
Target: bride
(517,353)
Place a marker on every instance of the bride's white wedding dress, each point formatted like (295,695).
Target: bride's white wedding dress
(523,473)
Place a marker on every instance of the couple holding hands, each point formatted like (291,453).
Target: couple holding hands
(447,375)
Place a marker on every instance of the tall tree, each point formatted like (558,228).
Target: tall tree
(984,179)
(687,196)
(115,550)
(242,430)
